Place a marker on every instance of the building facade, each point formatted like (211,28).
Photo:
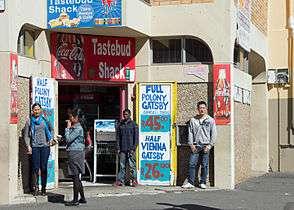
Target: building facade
(164,41)
(280,86)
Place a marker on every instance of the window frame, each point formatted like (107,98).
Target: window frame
(21,43)
(183,50)
(195,62)
(165,38)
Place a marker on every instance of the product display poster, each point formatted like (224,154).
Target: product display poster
(83,13)
(43,93)
(222,94)
(13,88)
(155,134)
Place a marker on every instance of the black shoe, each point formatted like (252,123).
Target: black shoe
(83,200)
(43,192)
(35,192)
(72,203)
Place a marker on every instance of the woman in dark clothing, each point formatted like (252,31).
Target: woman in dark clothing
(38,134)
(74,136)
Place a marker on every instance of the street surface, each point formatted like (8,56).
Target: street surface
(272,191)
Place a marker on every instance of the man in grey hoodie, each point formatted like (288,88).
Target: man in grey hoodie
(202,135)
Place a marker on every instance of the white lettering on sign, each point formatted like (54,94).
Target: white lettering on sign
(111,49)
(111,72)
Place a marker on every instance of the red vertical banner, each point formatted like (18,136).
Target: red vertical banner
(13,88)
(222,94)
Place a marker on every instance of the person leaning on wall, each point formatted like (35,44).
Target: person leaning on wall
(38,136)
(201,138)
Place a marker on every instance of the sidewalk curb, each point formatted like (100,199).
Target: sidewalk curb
(65,193)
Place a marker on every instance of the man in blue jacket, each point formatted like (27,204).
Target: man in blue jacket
(127,138)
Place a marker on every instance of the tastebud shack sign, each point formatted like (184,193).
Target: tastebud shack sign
(83,13)
(155,134)
(84,57)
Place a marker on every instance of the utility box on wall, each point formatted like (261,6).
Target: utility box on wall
(278,76)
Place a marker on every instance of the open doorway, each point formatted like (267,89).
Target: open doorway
(96,102)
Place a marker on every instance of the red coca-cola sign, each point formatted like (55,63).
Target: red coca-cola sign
(222,94)
(85,57)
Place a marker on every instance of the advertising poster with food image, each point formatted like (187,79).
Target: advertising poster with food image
(222,94)
(83,13)
(87,57)
(155,112)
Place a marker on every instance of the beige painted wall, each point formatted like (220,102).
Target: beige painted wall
(259,129)
(278,35)
(137,16)
(5,130)
(213,23)
(287,156)
(224,171)
(33,12)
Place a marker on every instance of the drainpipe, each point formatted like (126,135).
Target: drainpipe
(291,54)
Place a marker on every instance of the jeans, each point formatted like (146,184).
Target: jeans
(204,159)
(40,156)
(125,157)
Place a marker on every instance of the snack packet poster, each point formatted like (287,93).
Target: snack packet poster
(83,13)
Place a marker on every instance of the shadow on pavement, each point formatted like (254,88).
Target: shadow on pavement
(289,206)
(55,198)
(186,206)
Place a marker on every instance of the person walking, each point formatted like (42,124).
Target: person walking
(38,136)
(127,137)
(74,137)
(201,137)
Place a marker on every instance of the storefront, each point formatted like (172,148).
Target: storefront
(93,73)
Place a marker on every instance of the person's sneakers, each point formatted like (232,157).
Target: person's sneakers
(72,203)
(187,185)
(119,183)
(83,200)
(202,186)
(133,183)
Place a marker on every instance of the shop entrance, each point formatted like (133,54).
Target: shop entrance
(96,102)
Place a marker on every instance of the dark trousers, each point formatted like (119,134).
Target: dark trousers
(40,156)
(124,158)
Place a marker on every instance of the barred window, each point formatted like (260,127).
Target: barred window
(180,50)
(197,51)
(167,50)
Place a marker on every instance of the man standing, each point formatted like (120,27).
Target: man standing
(127,138)
(202,134)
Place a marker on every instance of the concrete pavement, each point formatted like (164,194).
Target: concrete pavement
(271,191)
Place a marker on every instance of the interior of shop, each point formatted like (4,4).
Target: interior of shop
(96,102)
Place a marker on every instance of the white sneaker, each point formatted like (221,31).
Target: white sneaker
(188,185)
(202,186)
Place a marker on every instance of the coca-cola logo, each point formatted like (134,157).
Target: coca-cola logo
(70,52)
